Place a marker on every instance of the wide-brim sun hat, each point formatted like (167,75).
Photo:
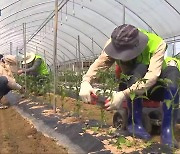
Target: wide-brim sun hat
(29,58)
(127,42)
(12,62)
(10,59)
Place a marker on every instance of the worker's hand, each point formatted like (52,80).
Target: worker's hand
(115,101)
(20,71)
(85,91)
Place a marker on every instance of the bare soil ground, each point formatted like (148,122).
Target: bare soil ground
(17,136)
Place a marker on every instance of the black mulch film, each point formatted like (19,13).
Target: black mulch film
(83,142)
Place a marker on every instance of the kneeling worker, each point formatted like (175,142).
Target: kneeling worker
(35,65)
(7,81)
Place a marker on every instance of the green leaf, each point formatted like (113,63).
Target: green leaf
(129,144)
(165,81)
(84,128)
(148,144)
(110,131)
(144,97)
(143,80)
(121,140)
(132,95)
(155,88)
(95,129)
(125,77)
(168,103)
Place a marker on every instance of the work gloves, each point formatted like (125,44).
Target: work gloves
(113,104)
(85,91)
(116,101)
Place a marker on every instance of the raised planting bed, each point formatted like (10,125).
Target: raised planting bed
(85,130)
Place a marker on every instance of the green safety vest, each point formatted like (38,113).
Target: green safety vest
(167,59)
(152,45)
(42,69)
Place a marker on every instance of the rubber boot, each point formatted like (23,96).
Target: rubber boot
(169,120)
(139,130)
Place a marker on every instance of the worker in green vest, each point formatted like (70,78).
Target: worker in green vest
(35,65)
(37,72)
(140,54)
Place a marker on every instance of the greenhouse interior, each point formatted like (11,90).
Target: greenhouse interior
(89,76)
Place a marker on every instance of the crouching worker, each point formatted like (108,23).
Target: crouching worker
(35,65)
(37,69)
(140,54)
(7,81)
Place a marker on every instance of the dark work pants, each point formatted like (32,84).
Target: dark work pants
(4,89)
(172,73)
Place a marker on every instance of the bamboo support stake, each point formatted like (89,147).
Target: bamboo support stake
(174,47)
(24,42)
(73,9)
(79,52)
(76,60)
(10,48)
(64,62)
(55,51)
(17,59)
(124,15)
(36,49)
(93,47)
(45,56)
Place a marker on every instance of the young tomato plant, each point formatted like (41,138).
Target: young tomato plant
(76,80)
(108,84)
(133,96)
(63,95)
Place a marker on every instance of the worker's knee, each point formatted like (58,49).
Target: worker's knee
(3,81)
(4,89)
(172,73)
(137,73)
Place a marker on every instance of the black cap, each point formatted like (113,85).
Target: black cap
(127,42)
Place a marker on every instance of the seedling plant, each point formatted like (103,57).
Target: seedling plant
(108,85)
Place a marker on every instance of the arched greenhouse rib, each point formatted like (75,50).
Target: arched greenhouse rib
(16,17)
